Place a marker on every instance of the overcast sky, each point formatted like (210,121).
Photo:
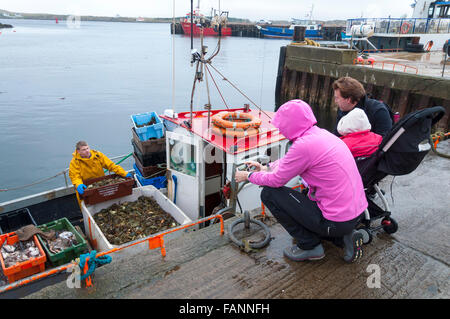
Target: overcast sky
(250,9)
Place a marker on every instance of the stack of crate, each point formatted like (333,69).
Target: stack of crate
(149,146)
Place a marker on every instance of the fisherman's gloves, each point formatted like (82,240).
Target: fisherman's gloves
(81,188)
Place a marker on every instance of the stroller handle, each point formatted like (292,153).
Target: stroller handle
(431,111)
(435,112)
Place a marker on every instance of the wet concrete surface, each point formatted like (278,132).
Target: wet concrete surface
(412,263)
(427,63)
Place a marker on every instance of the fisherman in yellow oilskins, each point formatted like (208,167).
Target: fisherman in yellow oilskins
(87,163)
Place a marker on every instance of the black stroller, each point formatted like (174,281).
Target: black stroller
(400,153)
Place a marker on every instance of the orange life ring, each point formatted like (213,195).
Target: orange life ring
(235,120)
(403,29)
(235,132)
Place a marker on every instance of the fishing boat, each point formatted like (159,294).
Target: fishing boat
(312,31)
(202,152)
(427,29)
(196,23)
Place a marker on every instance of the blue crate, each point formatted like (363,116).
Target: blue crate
(158,182)
(151,131)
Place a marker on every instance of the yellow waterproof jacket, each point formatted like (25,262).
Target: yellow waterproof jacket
(81,169)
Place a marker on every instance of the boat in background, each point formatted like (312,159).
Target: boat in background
(313,30)
(210,26)
(427,29)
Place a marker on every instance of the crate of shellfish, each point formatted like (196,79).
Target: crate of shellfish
(145,212)
(107,187)
(67,244)
(21,259)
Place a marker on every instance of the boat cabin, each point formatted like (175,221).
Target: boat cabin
(203,159)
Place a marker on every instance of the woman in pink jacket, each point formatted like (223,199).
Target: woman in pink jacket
(336,200)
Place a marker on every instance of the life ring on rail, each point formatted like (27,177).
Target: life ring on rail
(235,120)
(405,27)
(239,132)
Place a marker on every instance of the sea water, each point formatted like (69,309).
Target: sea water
(61,83)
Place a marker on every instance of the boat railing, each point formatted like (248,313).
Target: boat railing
(403,25)
(64,173)
(387,65)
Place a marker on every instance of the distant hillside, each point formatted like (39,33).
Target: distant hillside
(47,16)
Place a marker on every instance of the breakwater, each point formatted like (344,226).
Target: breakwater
(330,33)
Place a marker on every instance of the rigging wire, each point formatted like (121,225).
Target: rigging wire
(173,57)
(234,86)
(262,75)
(218,90)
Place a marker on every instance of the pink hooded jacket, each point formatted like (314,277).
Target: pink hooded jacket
(321,159)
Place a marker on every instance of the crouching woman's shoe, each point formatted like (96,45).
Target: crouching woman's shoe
(353,246)
(297,254)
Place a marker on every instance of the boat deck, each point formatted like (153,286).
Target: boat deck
(413,262)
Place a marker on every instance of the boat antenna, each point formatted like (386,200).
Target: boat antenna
(192,25)
(173,58)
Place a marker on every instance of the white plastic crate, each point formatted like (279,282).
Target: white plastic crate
(98,239)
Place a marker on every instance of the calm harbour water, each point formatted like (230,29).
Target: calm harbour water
(59,85)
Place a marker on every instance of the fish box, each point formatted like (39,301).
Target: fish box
(149,146)
(158,181)
(148,171)
(149,159)
(14,220)
(68,254)
(108,192)
(148,125)
(26,268)
(98,239)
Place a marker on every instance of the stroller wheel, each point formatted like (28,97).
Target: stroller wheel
(367,235)
(390,226)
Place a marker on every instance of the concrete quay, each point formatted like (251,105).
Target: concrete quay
(411,263)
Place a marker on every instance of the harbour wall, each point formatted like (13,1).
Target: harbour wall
(307,73)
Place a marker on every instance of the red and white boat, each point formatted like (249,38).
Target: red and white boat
(210,27)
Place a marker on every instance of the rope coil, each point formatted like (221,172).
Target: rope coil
(434,141)
(92,263)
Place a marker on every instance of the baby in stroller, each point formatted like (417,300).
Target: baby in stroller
(399,153)
(355,130)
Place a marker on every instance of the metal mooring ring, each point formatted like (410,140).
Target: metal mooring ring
(247,220)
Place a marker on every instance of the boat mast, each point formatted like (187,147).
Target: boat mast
(310,14)
(192,25)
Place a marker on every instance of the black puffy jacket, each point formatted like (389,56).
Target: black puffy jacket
(379,115)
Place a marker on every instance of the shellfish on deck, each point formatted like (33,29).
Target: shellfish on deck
(128,221)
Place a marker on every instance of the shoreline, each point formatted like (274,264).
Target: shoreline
(5,26)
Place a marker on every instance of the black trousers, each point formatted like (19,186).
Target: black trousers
(302,218)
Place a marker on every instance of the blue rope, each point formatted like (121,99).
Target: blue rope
(92,263)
